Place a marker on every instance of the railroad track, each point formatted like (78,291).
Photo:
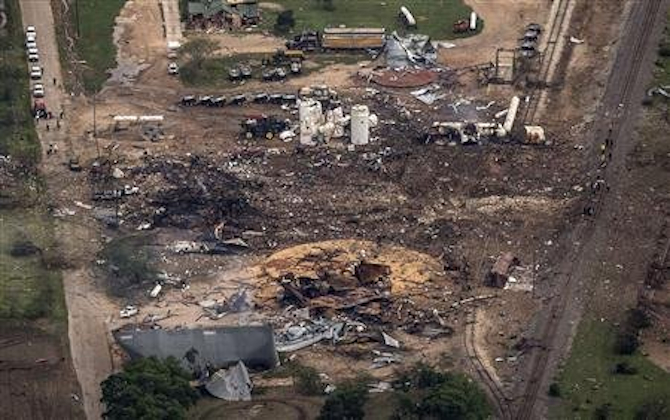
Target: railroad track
(496,393)
(640,30)
(547,59)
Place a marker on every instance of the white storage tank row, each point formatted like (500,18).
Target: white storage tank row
(314,122)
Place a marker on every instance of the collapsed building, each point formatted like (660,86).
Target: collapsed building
(222,13)
(199,350)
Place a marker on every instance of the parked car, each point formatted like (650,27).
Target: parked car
(173,69)
(38,90)
(234,74)
(33,58)
(33,51)
(30,31)
(245,72)
(31,44)
(128,311)
(35,72)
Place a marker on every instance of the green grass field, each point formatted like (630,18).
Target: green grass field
(17,134)
(94,21)
(663,63)
(588,382)
(434,17)
(28,290)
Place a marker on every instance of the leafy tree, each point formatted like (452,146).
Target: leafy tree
(627,342)
(345,403)
(327,4)
(129,262)
(197,50)
(285,21)
(603,412)
(307,381)
(148,389)
(429,393)
(654,410)
(555,390)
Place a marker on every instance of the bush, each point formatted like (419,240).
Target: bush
(638,319)
(555,390)
(653,410)
(306,381)
(625,368)
(627,342)
(285,22)
(345,403)
(603,412)
(129,263)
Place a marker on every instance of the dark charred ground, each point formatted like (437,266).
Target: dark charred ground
(396,190)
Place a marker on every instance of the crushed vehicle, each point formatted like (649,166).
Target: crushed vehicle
(188,100)
(205,100)
(234,74)
(305,41)
(218,101)
(274,74)
(261,98)
(245,72)
(238,99)
(263,126)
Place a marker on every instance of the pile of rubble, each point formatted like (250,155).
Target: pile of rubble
(192,193)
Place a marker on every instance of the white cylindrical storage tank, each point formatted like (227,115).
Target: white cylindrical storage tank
(360,125)
(310,119)
(473,21)
(511,114)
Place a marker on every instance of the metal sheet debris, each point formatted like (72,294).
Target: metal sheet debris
(232,384)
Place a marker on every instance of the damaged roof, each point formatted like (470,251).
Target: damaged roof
(197,349)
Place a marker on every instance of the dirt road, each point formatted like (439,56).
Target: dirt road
(588,243)
(86,330)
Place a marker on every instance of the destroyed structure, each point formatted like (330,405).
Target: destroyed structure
(199,350)
(203,14)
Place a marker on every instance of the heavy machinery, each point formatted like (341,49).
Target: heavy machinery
(284,58)
(305,41)
(263,126)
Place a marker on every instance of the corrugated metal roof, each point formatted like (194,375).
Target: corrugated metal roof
(197,349)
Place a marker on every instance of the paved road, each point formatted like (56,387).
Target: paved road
(86,329)
(172,21)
